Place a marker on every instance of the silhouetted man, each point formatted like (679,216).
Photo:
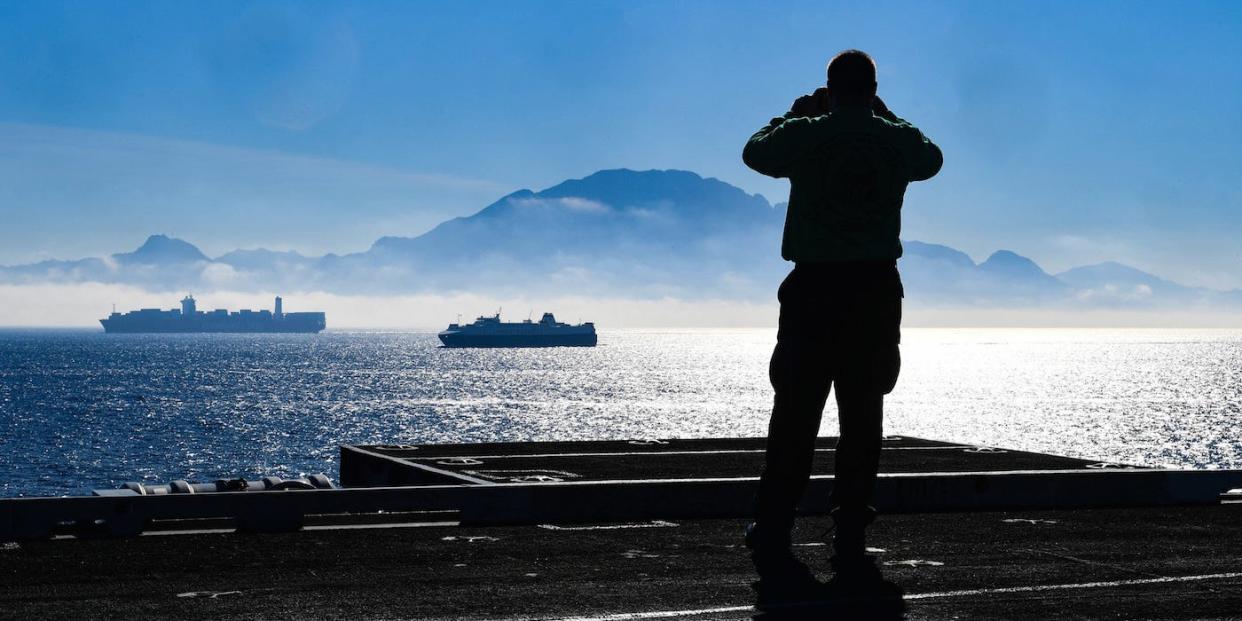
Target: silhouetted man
(848,160)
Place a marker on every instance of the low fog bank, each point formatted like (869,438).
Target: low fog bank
(82,305)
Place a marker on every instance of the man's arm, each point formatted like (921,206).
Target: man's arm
(768,151)
(923,156)
(774,149)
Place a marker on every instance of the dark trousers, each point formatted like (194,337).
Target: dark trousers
(840,324)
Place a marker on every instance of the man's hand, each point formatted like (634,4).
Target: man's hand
(815,104)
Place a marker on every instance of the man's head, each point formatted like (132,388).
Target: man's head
(851,78)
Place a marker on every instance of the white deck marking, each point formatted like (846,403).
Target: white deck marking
(670,614)
(208,594)
(823,477)
(651,524)
(420,458)
(1076,585)
(233,529)
(517,476)
(659,614)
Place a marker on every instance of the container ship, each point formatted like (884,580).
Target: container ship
(492,332)
(189,319)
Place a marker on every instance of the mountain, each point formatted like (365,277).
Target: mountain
(938,274)
(158,261)
(1019,277)
(1114,275)
(650,232)
(622,233)
(944,276)
(949,257)
(162,250)
(1113,284)
(1011,265)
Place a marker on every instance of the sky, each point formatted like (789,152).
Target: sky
(1073,132)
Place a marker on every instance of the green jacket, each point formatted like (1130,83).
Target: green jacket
(848,172)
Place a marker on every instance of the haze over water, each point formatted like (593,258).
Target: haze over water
(81,409)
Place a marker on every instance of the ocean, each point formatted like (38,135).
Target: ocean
(81,410)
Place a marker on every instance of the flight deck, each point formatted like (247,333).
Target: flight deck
(626,530)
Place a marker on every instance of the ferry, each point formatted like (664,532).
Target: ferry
(492,332)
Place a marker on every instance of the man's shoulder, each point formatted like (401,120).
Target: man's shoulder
(891,123)
(892,130)
(829,127)
(797,123)
(870,128)
(861,122)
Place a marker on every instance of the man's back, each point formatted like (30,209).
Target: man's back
(848,172)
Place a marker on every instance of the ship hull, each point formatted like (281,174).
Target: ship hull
(181,327)
(518,340)
(189,320)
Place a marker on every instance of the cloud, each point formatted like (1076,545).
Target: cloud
(219,274)
(1136,294)
(583,204)
(571,203)
(59,183)
(82,305)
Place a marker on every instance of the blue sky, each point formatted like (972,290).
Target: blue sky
(1073,132)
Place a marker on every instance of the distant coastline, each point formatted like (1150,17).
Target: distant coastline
(618,234)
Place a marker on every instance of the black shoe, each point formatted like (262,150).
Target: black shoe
(777,595)
(849,529)
(784,581)
(762,537)
(860,581)
(856,591)
(854,568)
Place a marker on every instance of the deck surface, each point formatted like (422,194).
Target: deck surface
(695,459)
(1167,563)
